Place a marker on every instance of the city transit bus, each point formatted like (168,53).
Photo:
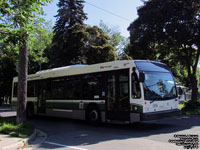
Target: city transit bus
(124,91)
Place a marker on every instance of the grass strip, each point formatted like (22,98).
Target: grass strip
(191,107)
(8,126)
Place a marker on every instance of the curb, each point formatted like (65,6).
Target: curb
(23,143)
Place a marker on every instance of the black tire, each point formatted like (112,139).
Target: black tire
(93,115)
(30,111)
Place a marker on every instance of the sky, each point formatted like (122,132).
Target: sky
(115,13)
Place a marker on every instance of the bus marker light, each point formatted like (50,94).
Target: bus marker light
(126,63)
(145,102)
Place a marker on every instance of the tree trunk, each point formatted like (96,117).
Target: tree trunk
(193,77)
(22,85)
(194,88)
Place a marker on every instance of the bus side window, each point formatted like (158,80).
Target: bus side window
(123,86)
(91,86)
(72,90)
(58,89)
(136,92)
(31,89)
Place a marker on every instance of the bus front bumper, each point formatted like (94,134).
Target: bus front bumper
(160,115)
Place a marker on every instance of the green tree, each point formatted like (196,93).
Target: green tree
(38,41)
(71,51)
(88,45)
(7,72)
(168,30)
(15,27)
(124,56)
(70,13)
(98,47)
(118,41)
(39,44)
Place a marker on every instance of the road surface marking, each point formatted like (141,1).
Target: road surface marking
(62,145)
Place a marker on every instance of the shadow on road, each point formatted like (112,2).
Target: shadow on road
(80,133)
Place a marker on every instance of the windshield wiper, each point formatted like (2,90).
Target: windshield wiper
(155,99)
(152,101)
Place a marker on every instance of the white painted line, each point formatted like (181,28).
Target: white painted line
(67,146)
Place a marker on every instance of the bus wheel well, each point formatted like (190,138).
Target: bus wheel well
(94,105)
(29,110)
(93,114)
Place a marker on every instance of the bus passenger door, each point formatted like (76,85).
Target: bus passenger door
(42,96)
(117,103)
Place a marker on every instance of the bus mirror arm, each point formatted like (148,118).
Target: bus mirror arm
(141,77)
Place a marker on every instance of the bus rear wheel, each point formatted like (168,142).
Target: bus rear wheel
(93,115)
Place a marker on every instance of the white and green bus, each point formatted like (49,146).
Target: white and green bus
(124,91)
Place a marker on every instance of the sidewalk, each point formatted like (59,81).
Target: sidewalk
(13,143)
(8,143)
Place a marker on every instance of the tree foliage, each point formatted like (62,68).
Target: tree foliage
(17,18)
(7,72)
(118,41)
(168,30)
(70,13)
(98,47)
(64,51)
(74,42)
(86,45)
(40,42)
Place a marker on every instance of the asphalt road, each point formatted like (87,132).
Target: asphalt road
(64,134)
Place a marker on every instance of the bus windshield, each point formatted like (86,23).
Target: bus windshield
(159,86)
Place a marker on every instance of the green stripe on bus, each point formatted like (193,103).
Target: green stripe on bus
(60,105)
(71,105)
(100,106)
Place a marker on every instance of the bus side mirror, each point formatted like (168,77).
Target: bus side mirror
(141,77)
